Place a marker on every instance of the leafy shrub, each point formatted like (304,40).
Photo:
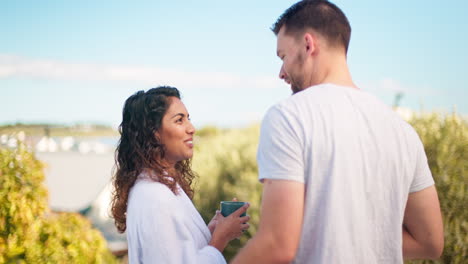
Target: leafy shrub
(23,197)
(445,140)
(29,232)
(70,238)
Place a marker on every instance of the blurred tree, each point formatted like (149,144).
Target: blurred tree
(445,140)
(29,231)
(208,131)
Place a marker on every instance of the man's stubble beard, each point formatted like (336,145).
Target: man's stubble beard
(297,82)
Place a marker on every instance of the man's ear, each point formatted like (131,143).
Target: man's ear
(310,43)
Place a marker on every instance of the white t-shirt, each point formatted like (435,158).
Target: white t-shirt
(166,228)
(358,161)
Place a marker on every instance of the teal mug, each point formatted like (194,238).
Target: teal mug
(229,207)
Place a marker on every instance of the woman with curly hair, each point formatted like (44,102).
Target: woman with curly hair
(152,196)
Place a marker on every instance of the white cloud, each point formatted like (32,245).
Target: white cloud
(22,67)
(385,85)
(392,85)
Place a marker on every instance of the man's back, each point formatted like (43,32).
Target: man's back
(358,161)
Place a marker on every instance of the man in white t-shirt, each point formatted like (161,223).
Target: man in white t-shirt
(346,180)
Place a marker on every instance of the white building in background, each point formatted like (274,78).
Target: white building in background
(67,143)
(3,139)
(100,148)
(46,144)
(12,141)
(86,147)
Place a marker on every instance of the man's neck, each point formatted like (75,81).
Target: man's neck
(336,71)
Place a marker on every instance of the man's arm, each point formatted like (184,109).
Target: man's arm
(423,234)
(277,238)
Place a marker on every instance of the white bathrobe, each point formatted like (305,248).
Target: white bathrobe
(166,228)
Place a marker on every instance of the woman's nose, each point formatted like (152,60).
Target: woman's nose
(190,128)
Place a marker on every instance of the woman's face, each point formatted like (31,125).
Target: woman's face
(176,132)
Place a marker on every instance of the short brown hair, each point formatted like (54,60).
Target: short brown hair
(319,15)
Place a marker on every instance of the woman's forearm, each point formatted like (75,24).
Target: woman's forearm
(218,242)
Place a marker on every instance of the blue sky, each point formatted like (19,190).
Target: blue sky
(77,61)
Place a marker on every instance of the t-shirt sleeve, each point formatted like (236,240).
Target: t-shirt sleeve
(422,177)
(166,239)
(280,150)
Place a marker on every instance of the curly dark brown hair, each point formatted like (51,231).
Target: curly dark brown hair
(139,149)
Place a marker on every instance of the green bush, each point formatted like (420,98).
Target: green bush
(70,238)
(445,139)
(29,232)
